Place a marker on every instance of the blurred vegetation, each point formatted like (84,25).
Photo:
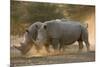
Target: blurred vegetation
(24,14)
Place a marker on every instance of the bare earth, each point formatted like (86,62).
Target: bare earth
(71,55)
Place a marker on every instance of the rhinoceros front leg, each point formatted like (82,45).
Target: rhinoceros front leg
(47,47)
(61,46)
(55,43)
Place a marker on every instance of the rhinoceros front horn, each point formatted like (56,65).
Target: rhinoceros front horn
(22,49)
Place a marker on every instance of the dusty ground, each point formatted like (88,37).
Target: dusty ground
(70,55)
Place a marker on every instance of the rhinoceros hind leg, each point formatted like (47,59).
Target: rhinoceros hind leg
(80,45)
(87,45)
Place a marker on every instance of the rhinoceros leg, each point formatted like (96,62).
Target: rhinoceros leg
(85,37)
(80,45)
(55,44)
(87,45)
(47,47)
(61,46)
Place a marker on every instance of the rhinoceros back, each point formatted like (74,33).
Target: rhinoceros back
(66,32)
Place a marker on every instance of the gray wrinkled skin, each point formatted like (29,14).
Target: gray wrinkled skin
(29,35)
(59,33)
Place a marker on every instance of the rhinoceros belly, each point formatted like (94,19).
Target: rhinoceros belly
(71,34)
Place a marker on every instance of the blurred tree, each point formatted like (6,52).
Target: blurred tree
(75,12)
(25,13)
(33,11)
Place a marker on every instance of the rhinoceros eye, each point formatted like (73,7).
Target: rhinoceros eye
(45,26)
(27,31)
(36,26)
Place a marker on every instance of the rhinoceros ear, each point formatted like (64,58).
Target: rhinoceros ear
(45,26)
